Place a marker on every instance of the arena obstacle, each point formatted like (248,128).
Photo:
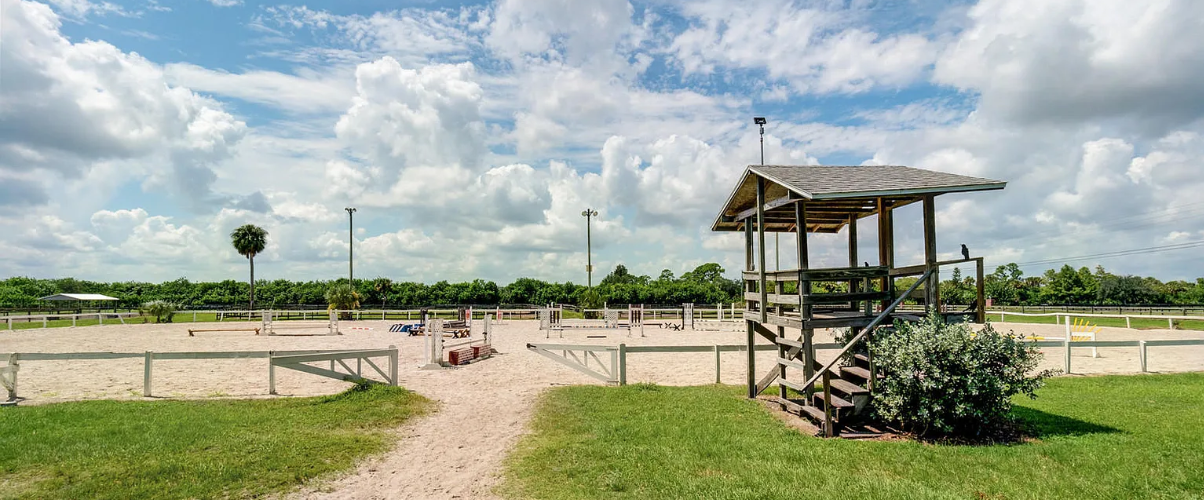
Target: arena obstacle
(551,319)
(270,326)
(460,351)
(191,331)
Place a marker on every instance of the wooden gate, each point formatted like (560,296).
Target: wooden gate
(577,357)
(336,359)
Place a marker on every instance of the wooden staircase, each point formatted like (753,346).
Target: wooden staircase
(848,398)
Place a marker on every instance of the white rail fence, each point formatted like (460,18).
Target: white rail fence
(1064,317)
(294,360)
(610,362)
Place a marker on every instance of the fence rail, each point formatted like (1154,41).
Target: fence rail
(285,359)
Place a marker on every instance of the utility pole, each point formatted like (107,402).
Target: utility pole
(777,242)
(350,246)
(589,213)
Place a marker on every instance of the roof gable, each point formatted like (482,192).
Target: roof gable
(840,192)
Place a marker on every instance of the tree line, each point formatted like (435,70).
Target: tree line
(704,285)
(1069,286)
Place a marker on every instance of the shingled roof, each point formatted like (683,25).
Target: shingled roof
(836,193)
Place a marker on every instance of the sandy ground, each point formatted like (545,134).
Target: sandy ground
(457,451)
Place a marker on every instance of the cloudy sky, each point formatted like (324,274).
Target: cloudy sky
(134,136)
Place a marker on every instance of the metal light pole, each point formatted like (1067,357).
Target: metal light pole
(777,242)
(589,213)
(350,247)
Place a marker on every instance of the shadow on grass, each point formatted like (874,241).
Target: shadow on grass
(1039,424)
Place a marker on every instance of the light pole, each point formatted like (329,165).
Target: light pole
(777,242)
(350,246)
(589,213)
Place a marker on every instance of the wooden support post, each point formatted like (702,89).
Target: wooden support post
(718,369)
(73,318)
(853,260)
(761,248)
(751,351)
(782,354)
(622,364)
(146,373)
(1128,322)
(829,426)
(932,289)
(804,291)
(886,247)
(271,373)
(980,314)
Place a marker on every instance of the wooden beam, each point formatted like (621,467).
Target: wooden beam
(764,206)
(932,292)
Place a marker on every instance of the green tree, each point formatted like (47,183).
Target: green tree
(249,240)
(342,297)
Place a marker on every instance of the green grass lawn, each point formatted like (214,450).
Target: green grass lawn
(1096,437)
(193,449)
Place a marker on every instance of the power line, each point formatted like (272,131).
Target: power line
(1119,253)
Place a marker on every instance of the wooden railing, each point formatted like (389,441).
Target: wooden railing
(865,333)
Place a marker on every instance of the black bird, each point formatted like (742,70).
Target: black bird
(867,264)
(965,252)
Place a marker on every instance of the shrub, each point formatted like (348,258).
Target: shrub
(162,310)
(947,380)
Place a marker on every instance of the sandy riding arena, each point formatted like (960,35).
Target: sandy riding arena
(457,451)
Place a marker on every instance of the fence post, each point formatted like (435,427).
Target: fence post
(146,374)
(1141,354)
(717,368)
(1170,324)
(271,373)
(622,364)
(13,368)
(100,318)
(1066,342)
(393,366)
(1128,323)
(10,323)
(194,316)
(73,318)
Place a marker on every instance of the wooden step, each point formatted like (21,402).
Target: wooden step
(838,403)
(848,388)
(855,371)
(861,360)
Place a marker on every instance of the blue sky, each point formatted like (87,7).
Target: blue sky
(135,135)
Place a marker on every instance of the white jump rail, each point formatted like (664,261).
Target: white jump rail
(285,359)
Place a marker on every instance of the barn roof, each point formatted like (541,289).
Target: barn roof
(836,193)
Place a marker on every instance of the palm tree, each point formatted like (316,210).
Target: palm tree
(250,240)
(383,286)
(342,297)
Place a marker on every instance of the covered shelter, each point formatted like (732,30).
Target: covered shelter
(77,297)
(832,199)
(78,300)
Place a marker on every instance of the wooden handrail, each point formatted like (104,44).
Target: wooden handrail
(869,328)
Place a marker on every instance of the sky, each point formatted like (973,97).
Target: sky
(135,136)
